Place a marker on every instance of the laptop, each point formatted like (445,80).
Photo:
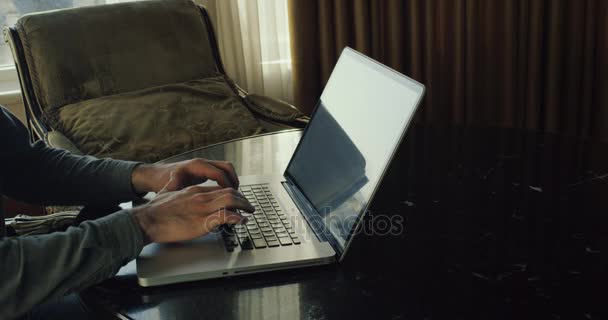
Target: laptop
(309,214)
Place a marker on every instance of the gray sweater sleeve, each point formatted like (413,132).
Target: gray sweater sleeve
(38,174)
(38,269)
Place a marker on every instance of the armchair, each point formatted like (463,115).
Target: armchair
(136,81)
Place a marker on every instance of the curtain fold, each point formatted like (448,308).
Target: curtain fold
(253,39)
(533,64)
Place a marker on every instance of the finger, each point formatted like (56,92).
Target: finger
(228,168)
(205,189)
(222,217)
(213,195)
(202,169)
(232,202)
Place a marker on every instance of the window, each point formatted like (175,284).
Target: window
(10,11)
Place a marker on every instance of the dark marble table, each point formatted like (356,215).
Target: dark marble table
(497,224)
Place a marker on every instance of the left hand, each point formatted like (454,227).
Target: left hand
(179,175)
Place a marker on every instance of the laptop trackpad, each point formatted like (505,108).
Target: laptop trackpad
(180,257)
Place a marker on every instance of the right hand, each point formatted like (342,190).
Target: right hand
(190,213)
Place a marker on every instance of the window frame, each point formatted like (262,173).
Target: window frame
(9,82)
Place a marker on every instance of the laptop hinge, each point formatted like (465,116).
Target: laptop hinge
(313,218)
(305,208)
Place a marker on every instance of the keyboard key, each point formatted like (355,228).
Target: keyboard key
(268,226)
(271,238)
(285,241)
(273,243)
(259,243)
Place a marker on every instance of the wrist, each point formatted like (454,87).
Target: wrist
(144,222)
(142,178)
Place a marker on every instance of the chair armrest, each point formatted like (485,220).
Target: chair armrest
(56,139)
(276,110)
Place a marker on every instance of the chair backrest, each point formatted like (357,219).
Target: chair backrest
(84,53)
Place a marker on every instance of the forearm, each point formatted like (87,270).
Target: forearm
(36,269)
(40,174)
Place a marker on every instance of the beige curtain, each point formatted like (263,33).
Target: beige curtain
(253,38)
(534,64)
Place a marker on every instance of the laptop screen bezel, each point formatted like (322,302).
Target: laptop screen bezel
(418,88)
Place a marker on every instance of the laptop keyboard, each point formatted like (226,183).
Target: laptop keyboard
(267,227)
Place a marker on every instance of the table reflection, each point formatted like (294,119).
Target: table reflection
(264,154)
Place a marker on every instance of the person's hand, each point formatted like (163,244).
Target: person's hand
(189,213)
(176,176)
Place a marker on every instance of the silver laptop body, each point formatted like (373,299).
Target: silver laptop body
(357,126)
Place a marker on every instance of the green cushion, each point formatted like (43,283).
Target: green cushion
(153,124)
(85,53)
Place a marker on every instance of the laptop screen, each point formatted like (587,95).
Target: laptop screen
(354,131)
